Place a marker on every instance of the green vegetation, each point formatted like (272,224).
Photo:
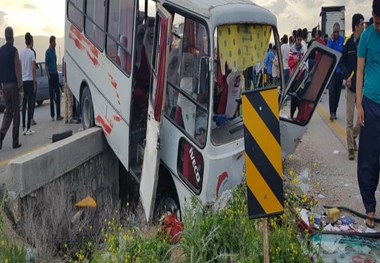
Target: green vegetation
(224,236)
(9,253)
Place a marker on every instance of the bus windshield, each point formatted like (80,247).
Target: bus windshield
(246,58)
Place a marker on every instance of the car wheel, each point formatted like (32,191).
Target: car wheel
(39,102)
(87,109)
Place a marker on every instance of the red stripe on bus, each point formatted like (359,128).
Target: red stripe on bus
(77,43)
(221,179)
(113,81)
(82,39)
(94,60)
(105,125)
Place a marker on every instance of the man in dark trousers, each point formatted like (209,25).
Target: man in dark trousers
(335,87)
(28,66)
(348,63)
(52,73)
(11,85)
(368,106)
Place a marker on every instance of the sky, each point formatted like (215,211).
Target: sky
(39,17)
(46,17)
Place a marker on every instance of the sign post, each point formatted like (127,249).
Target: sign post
(263,162)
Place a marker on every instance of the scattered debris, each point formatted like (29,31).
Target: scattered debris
(342,249)
(304,177)
(171,227)
(87,202)
(333,214)
(222,201)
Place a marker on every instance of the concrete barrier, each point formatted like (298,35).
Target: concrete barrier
(44,186)
(34,170)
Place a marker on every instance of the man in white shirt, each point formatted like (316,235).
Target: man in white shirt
(304,40)
(28,68)
(285,48)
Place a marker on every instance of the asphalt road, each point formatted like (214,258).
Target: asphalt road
(44,130)
(321,160)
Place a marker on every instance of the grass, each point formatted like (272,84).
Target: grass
(9,253)
(224,236)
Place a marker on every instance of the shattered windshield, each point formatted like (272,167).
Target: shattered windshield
(341,249)
(245,56)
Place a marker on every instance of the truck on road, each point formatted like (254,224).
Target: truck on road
(331,15)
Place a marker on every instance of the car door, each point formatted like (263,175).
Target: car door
(42,83)
(306,86)
(149,176)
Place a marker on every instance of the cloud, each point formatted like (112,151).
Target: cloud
(29,6)
(293,14)
(3,20)
(51,29)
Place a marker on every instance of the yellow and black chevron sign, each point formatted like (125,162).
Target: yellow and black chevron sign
(263,153)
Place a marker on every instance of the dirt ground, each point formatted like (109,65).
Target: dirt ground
(326,173)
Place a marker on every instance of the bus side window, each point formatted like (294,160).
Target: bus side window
(125,59)
(148,40)
(119,33)
(186,104)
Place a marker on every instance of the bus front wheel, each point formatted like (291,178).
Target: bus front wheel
(87,109)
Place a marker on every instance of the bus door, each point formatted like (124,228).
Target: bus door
(149,176)
(305,89)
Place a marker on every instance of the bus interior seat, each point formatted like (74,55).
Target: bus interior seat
(184,105)
(234,83)
(140,32)
(125,59)
(173,80)
(222,83)
(148,44)
(174,62)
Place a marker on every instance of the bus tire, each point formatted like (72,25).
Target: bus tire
(167,203)
(87,109)
(167,196)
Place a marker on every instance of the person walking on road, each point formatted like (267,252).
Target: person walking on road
(11,85)
(285,49)
(348,63)
(336,82)
(295,56)
(268,63)
(368,107)
(33,122)
(28,67)
(52,73)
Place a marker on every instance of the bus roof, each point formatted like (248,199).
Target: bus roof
(220,12)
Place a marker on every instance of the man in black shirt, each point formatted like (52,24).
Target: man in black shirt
(11,84)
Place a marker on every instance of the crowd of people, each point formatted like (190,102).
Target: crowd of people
(18,84)
(358,71)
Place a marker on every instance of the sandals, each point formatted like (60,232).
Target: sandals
(370,222)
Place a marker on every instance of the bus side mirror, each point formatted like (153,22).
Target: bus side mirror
(203,73)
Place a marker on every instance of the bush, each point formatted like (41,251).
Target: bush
(225,236)
(8,252)
(230,236)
